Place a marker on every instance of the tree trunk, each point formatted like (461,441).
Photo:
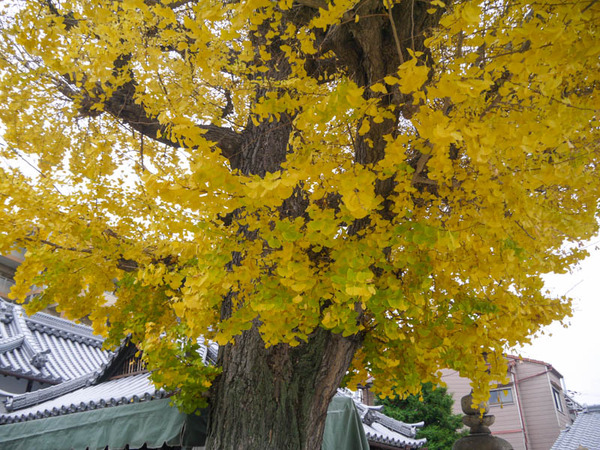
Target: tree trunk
(276,398)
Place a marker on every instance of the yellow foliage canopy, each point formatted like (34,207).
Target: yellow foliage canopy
(415,206)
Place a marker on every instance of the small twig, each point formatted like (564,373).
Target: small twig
(589,6)
(142,152)
(396,38)
(21,157)
(577,284)
(59,247)
(412,24)
(459,44)
(524,230)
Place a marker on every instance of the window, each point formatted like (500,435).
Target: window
(557,399)
(132,365)
(501,396)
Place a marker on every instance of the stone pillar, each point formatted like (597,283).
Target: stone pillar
(480,437)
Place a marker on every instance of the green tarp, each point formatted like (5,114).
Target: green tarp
(343,427)
(154,423)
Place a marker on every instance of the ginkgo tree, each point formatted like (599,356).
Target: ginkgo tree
(329,190)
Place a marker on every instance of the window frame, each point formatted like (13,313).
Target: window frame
(557,397)
(502,398)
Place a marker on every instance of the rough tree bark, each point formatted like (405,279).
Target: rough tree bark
(276,398)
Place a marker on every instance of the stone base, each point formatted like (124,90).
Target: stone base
(481,441)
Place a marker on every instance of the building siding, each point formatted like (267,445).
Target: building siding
(531,421)
(542,419)
(457,387)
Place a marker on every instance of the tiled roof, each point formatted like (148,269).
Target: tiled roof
(20,401)
(99,377)
(584,433)
(208,350)
(381,429)
(379,434)
(512,359)
(57,398)
(46,348)
(115,392)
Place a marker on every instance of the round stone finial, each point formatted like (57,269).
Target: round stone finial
(466,403)
(480,437)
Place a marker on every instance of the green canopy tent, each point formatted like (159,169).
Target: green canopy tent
(153,424)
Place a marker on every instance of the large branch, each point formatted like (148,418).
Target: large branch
(121,104)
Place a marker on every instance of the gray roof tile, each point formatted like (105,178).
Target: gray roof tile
(46,348)
(41,395)
(115,392)
(583,433)
(380,434)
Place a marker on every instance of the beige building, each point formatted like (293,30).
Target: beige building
(530,411)
(8,266)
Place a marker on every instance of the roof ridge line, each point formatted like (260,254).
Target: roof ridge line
(11,343)
(41,395)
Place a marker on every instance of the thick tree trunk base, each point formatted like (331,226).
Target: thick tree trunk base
(276,398)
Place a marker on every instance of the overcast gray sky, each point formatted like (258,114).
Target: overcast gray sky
(575,351)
